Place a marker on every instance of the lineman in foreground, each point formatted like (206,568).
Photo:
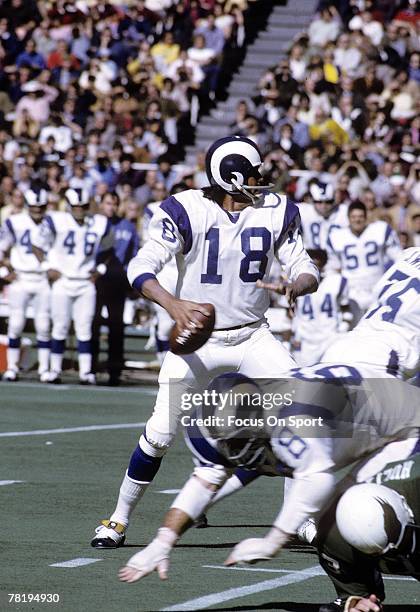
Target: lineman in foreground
(343,419)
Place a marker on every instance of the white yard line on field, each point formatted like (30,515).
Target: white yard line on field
(146,390)
(4,483)
(75,562)
(200,603)
(284,571)
(43,432)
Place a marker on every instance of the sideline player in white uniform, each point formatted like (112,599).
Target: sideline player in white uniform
(362,252)
(74,240)
(224,238)
(29,284)
(318,317)
(317,219)
(340,423)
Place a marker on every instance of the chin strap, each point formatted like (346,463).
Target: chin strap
(247,191)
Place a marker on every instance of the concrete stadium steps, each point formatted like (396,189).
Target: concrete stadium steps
(270,45)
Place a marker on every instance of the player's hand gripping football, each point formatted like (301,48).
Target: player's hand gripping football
(184,312)
(258,549)
(155,557)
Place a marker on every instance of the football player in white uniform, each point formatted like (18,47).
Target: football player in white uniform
(224,239)
(362,252)
(74,241)
(335,418)
(29,284)
(387,339)
(318,218)
(319,316)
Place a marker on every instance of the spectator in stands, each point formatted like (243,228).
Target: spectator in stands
(325,28)
(213,35)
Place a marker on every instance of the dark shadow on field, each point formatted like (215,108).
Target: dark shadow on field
(286,606)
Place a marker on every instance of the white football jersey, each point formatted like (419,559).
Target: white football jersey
(316,229)
(387,338)
(318,315)
(72,248)
(363,259)
(18,233)
(221,255)
(349,422)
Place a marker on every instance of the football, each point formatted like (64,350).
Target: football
(186,341)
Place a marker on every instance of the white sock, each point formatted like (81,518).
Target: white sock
(85,363)
(231,485)
(56,362)
(13,355)
(43,360)
(130,493)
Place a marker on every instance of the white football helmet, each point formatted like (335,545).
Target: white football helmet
(77,197)
(373,518)
(230,162)
(35,197)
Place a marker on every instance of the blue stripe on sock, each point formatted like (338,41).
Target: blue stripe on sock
(84,346)
(143,467)
(14,342)
(43,344)
(57,346)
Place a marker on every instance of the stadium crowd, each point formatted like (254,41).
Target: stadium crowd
(104,96)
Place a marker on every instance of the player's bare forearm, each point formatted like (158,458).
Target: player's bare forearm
(305,283)
(177,520)
(39,253)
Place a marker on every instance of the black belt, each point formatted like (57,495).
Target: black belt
(237,326)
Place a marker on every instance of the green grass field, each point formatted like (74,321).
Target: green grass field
(69,481)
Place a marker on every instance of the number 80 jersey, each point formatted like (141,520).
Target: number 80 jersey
(71,247)
(221,255)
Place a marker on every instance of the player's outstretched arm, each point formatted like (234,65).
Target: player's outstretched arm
(259,549)
(188,506)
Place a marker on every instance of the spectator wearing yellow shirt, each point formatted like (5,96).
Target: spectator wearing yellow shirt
(326,129)
(165,52)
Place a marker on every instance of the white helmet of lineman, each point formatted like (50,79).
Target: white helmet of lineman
(230,162)
(77,197)
(373,518)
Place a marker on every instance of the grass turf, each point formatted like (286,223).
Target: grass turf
(70,482)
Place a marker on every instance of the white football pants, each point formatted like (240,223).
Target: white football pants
(20,294)
(73,299)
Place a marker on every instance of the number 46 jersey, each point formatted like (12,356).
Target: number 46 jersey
(221,255)
(72,248)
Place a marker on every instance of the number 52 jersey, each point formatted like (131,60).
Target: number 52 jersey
(220,255)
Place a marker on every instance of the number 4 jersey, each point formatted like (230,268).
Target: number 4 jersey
(72,248)
(221,255)
(17,234)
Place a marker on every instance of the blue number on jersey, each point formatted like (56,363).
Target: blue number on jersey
(372,258)
(327,305)
(211,277)
(251,255)
(90,242)
(70,242)
(168,230)
(393,301)
(295,445)
(352,260)
(307,306)
(25,241)
(315,232)
(330,373)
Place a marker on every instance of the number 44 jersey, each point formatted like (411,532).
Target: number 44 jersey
(221,255)
(72,247)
